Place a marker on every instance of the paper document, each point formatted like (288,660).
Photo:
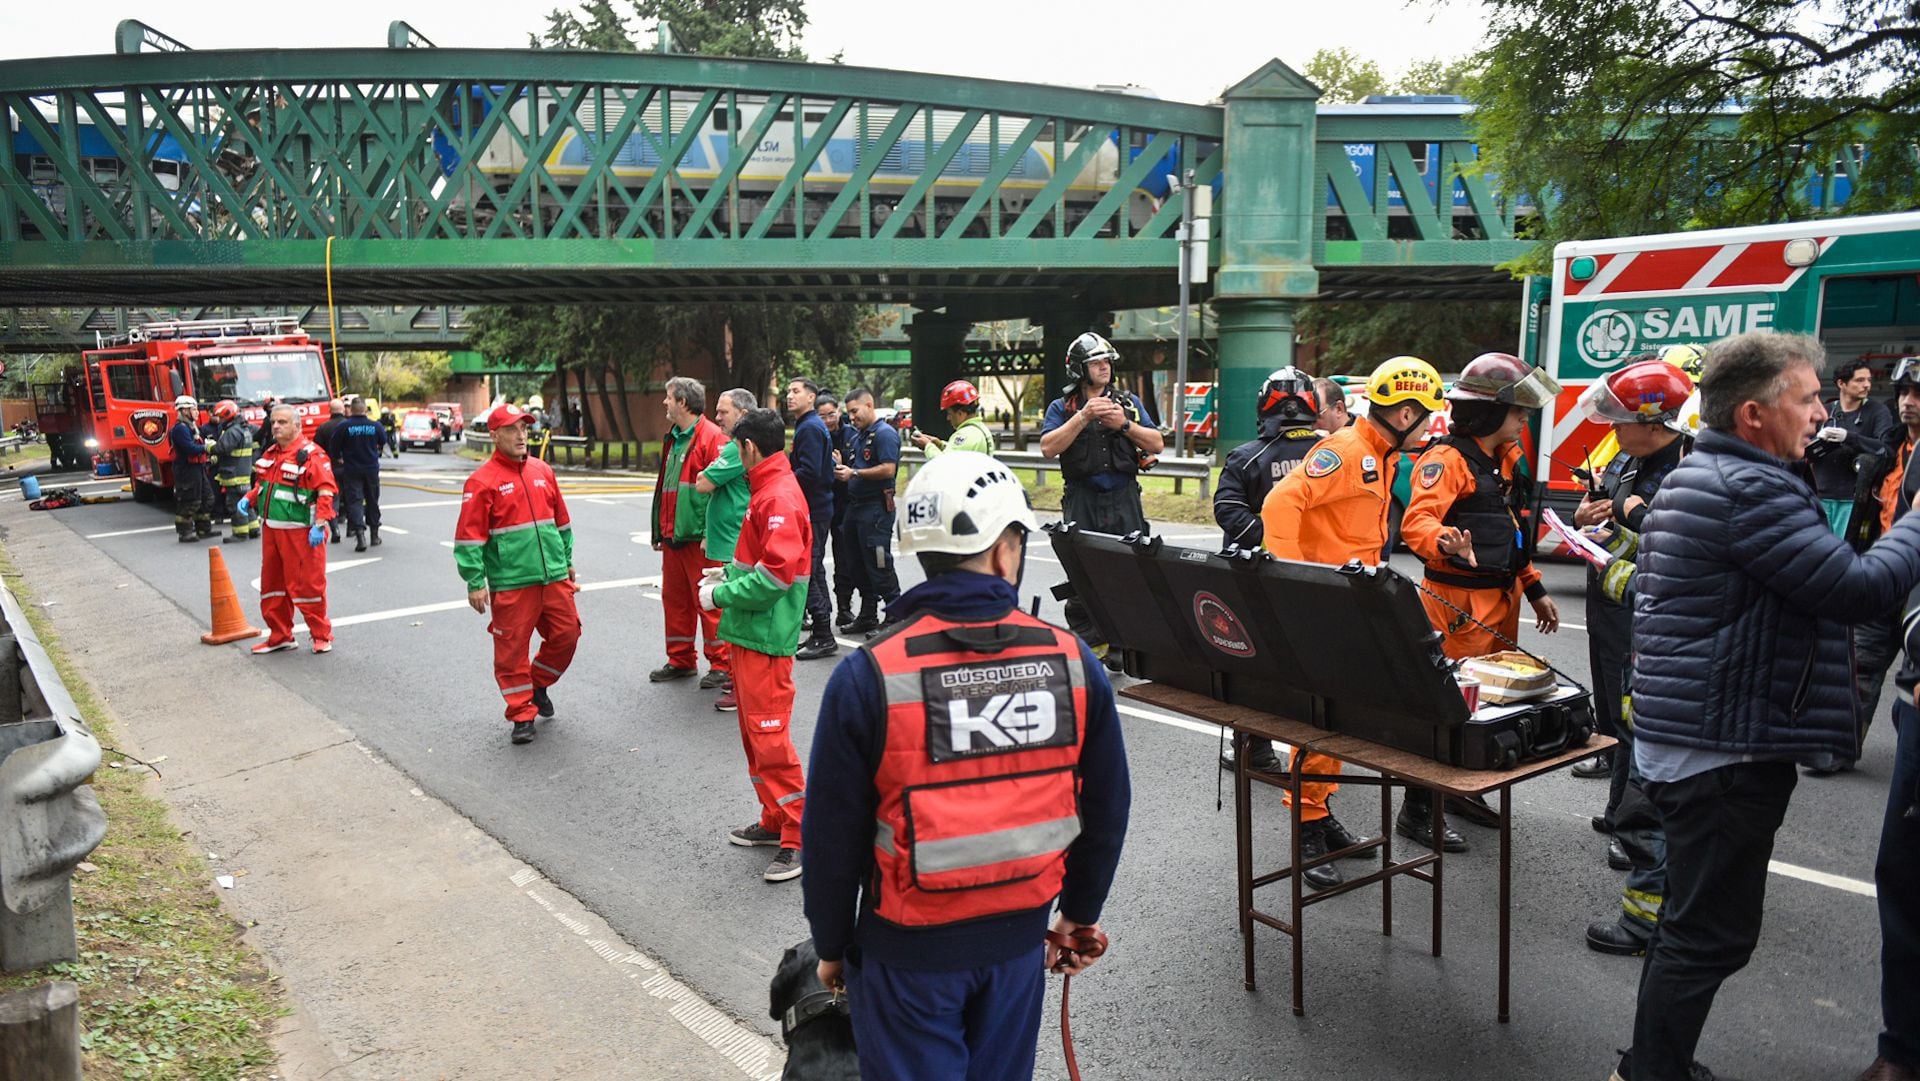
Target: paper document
(1578,543)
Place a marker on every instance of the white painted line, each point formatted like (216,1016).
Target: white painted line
(446,544)
(600,500)
(1212,730)
(128,532)
(384,507)
(1822,878)
(337,565)
(622,583)
(396,530)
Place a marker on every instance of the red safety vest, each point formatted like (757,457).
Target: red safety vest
(979,782)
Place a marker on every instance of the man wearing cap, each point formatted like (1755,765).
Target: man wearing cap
(514,548)
(294,488)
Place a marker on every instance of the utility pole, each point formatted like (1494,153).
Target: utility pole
(1194,227)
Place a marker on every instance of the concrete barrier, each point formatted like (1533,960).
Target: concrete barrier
(49,819)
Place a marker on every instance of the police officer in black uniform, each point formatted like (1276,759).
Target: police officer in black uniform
(1100,436)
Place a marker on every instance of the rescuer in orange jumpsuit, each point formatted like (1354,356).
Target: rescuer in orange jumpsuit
(1461,523)
(1333,509)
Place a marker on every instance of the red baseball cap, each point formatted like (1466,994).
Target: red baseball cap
(506,414)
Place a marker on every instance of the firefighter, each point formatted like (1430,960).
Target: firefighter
(294,488)
(1461,522)
(1334,509)
(514,549)
(942,954)
(1643,402)
(233,468)
(192,496)
(1288,407)
(355,451)
(762,596)
(961,402)
(323,438)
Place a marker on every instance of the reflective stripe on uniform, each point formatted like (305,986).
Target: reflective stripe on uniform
(883,836)
(789,798)
(516,690)
(275,593)
(1641,905)
(308,600)
(535,524)
(999,846)
(904,687)
(275,523)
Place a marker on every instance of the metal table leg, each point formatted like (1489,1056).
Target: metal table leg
(1506,892)
(1439,861)
(1243,840)
(1294,883)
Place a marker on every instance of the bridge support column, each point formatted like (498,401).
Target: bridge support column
(938,345)
(1266,235)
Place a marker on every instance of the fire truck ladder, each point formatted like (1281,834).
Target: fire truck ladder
(210,329)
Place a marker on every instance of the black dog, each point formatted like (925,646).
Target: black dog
(814,1022)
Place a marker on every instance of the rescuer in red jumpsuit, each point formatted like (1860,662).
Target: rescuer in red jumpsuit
(293,487)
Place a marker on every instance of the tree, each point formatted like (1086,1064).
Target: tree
(1358,335)
(769,29)
(1640,116)
(1344,76)
(409,376)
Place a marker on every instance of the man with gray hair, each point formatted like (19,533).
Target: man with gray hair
(1742,666)
(724,483)
(691,444)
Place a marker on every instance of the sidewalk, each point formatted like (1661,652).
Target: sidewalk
(412,944)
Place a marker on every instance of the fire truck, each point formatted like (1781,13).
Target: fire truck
(115,406)
(1854,283)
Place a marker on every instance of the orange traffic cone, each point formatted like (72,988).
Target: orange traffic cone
(229,622)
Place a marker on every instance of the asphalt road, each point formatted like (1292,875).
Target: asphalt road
(625,798)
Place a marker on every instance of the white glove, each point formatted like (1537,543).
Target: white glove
(706,595)
(714,574)
(1832,434)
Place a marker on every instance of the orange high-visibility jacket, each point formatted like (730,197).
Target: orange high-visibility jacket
(1333,507)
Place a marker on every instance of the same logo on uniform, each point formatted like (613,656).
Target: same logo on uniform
(1322,461)
(1220,626)
(1430,474)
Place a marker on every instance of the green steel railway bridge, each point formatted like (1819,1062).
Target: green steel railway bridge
(404,182)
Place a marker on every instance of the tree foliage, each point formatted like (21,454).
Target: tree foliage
(1358,335)
(1638,116)
(1345,76)
(406,376)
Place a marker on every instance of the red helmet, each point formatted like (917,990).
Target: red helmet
(1647,392)
(1503,377)
(958,392)
(225,410)
(1289,390)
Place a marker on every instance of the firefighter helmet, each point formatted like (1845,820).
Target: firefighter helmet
(1405,379)
(959,504)
(1685,357)
(1289,392)
(225,410)
(185,401)
(1087,349)
(1649,392)
(1503,378)
(1906,373)
(958,393)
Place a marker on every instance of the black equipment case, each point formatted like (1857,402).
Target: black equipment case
(1348,649)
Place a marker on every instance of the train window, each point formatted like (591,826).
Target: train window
(1419,151)
(130,382)
(553,111)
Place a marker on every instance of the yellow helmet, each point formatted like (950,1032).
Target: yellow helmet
(1405,379)
(1685,357)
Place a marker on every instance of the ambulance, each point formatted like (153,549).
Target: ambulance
(1854,283)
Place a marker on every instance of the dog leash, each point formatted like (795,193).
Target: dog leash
(1086,942)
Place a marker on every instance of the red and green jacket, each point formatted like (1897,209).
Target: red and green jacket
(726,504)
(293,485)
(765,594)
(680,509)
(514,528)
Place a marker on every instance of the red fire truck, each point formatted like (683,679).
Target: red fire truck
(115,407)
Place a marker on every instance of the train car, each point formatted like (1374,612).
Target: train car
(100,159)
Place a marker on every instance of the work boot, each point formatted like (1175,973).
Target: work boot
(820,646)
(1415,823)
(1339,836)
(1261,759)
(1611,936)
(523,732)
(846,617)
(235,538)
(1313,845)
(373,537)
(187,538)
(1475,809)
(667,672)
(1617,856)
(1600,824)
(359,541)
(715,679)
(1695,1071)
(1600,765)
(866,624)
(1882,1070)
(541,703)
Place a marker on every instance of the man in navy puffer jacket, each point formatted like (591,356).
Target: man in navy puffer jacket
(1742,667)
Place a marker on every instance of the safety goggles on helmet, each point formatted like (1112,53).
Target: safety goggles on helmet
(1645,392)
(1285,386)
(1907,372)
(1530,391)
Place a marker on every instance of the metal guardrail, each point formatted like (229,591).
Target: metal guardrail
(49,819)
(1180,469)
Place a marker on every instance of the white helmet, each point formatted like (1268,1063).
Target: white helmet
(185,401)
(960,503)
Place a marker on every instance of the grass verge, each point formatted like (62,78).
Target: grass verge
(168,989)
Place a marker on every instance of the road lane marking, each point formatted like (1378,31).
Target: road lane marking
(396,530)
(448,606)
(384,507)
(128,532)
(1822,878)
(338,565)
(446,544)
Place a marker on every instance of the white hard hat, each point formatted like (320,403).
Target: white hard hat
(960,503)
(185,401)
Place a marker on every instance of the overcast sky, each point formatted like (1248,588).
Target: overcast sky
(1114,41)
